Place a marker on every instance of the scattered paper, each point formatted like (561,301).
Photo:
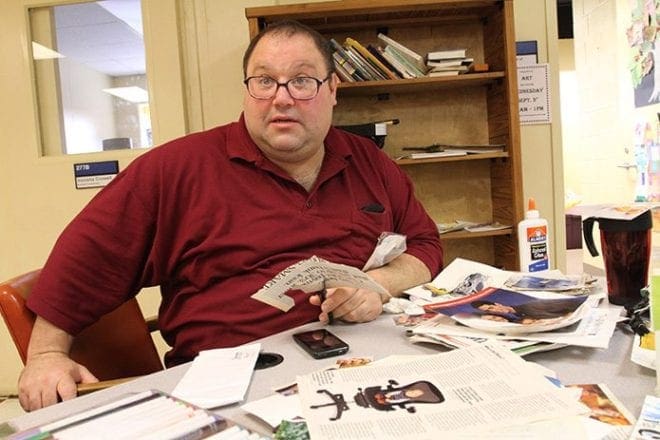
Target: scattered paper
(595,329)
(462,391)
(607,418)
(218,377)
(502,311)
(275,408)
(648,423)
(390,245)
(461,277)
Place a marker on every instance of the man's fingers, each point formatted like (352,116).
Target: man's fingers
(86,376)
(66,388)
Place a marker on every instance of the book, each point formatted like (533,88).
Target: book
(432,155)
(362,75)
(450,63)
(400,68)
(363,66)
(437,73)
(410,67)
(369,57)
(346,65)
(342,73)
(376,53)
(414,58)
(446,54)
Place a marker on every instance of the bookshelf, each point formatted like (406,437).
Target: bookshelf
(473,108)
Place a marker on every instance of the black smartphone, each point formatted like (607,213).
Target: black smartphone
(320,343)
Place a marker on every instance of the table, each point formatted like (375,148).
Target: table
(380,338)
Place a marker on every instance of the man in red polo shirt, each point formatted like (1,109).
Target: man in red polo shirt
(213,216)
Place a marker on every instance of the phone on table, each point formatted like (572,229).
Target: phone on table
(320,343)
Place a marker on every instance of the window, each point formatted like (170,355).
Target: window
(90,77)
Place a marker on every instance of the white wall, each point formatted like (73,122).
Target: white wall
(88,111)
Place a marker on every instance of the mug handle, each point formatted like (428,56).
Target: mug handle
(587,230)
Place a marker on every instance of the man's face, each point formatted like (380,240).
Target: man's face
(285,129)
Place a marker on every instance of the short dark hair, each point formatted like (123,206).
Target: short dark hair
(290,28)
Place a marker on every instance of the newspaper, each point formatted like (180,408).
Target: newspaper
(471,390)
(313,275)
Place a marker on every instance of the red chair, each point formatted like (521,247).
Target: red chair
(117,346)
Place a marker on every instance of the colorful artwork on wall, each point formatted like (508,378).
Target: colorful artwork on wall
(644,43)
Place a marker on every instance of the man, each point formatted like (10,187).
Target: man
(213,216)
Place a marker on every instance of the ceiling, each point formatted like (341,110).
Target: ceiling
(106,36)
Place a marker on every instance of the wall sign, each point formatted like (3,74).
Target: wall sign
(534,94)
(95,174)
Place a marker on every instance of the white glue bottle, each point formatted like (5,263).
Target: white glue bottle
(533,246)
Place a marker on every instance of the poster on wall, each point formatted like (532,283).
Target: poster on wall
(644,42)
(534,94)
(647,160)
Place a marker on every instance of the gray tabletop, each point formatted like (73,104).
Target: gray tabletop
(378,339)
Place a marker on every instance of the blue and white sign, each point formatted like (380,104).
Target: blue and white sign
(95,174)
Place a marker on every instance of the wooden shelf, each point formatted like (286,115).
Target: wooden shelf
(459,235)
(480,156)
(418,84)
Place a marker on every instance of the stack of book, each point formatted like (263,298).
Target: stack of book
(357,62)
(448,62)
(393,60)
(452,62)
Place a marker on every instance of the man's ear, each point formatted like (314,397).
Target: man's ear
(332,83)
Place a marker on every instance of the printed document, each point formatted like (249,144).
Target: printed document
(471,390)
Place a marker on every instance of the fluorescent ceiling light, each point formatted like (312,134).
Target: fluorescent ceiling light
(40,52)
(132,93)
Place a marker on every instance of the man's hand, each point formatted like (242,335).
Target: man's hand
(349,304)
(49,377)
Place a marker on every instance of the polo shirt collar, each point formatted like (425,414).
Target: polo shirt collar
(241,146)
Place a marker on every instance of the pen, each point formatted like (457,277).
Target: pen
(323,295)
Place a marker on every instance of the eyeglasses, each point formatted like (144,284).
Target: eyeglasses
(302,88)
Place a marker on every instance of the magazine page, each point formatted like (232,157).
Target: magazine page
(460,391)
(595,329)
(552,281)
(495,310)
(460,278)
(608,418)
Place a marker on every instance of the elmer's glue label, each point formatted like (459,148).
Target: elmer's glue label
(533,247)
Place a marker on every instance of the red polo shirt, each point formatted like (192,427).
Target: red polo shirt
(210,219)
